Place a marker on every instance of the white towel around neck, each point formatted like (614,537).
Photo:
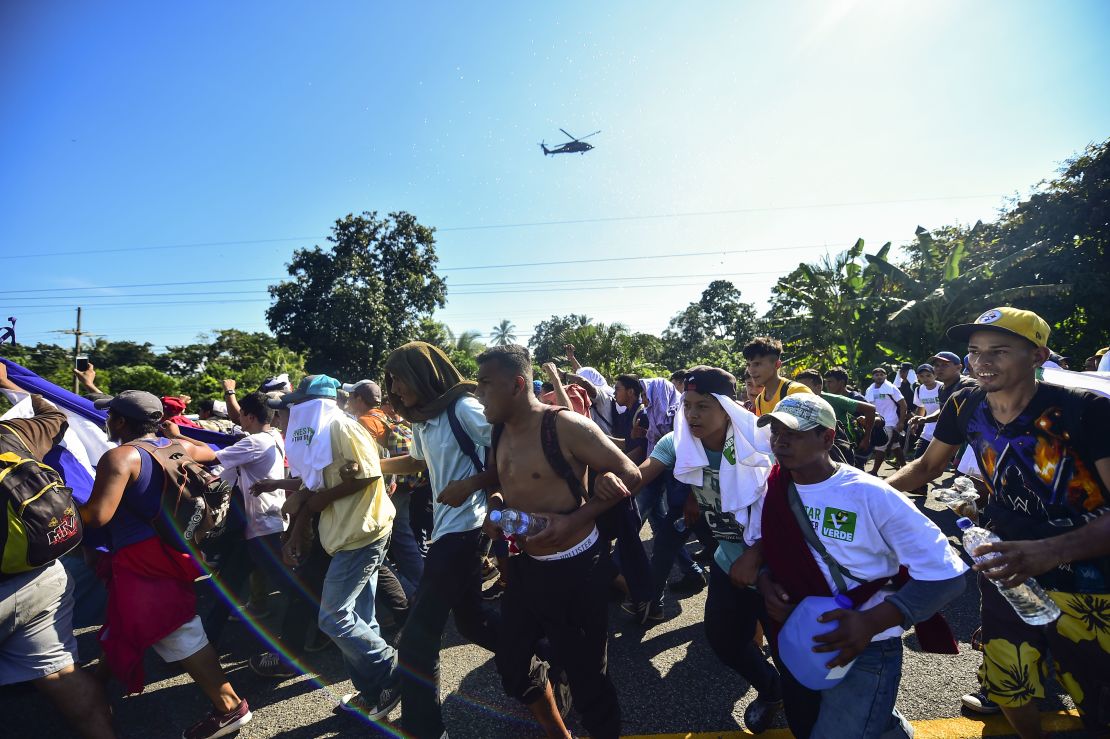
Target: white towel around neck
(744,477)
(308,441)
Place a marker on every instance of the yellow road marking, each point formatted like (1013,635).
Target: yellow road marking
(938,728)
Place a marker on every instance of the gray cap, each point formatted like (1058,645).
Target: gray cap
(134,404)
(367,390)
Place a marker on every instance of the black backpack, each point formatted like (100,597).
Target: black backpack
(41,522)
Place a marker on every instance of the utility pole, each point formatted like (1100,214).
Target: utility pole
(77,334)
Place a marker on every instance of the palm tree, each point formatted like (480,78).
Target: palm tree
(503,333)
(958,295)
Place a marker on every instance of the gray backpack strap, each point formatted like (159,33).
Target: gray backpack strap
(838,573)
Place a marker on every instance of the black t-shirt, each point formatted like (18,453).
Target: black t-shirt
(1040,469)
(906,388)
(961,384)
(623,423)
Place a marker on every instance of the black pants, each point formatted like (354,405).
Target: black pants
(565,600)
(452,583)
(420,515)
(390,595)
(622,522)
(731,614)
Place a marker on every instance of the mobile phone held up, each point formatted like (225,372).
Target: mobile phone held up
(81,362)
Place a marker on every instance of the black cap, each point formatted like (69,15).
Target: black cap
(134,404)
(710,381)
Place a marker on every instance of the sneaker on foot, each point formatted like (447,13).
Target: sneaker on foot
(220,724)
(271,664)
(760,714)
(317,642)
(689,584)
(489,569)
(647,614)
(980,703)
(493,592)
(388,699)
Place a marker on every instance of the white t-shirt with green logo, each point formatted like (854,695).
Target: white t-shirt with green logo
(871,529)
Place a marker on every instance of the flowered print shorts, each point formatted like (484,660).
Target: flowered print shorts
(1015,654)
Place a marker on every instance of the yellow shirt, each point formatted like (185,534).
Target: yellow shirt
(365,516)
(763,405)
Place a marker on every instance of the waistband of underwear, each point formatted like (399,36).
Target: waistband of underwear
(574,551)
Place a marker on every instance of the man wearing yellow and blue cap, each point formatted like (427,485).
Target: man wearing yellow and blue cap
(1044,454)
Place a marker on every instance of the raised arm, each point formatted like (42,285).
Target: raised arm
(561,397)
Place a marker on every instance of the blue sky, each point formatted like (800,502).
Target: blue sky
(738,139)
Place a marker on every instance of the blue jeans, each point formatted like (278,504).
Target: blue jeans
(861,705)
(347,616)
(651,502)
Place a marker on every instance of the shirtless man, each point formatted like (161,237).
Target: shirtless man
(559,586)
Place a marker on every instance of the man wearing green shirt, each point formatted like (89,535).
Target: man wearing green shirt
(855,416)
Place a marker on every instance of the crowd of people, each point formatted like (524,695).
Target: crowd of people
(374,508)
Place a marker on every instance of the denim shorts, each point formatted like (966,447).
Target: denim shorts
(36,625)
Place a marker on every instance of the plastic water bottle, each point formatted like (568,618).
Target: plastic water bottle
(512,521)
(1029,599)
(962,497)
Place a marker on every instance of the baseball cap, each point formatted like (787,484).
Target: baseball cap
(952,357)
(368,390)
(802,412)
(172,405)
(926,368)
(709,380)
(134,404)
(905,365)
(1024,323)
(277,383)
(879,369)
(311,386)
(537,386)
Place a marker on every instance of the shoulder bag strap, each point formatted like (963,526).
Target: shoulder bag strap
(549,440)
(796,507)
(466,444)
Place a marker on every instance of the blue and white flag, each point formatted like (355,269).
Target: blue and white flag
(85,441)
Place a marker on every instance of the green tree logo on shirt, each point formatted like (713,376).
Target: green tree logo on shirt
(838,524)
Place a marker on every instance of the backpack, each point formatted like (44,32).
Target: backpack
(41,520)
(466,444)
(549,441)
(194,501)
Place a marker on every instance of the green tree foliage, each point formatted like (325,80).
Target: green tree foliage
(828,313)
(944,294)
(503,333)
(550,336)
(138,377)
(347,306)
(710,331)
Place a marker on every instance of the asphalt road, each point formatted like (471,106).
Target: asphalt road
(668,679)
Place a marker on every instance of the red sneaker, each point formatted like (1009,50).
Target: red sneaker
(220,724)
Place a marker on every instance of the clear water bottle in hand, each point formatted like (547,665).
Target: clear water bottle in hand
(512,521)
(1029,599)
(962,497)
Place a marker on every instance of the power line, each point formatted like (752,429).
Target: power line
(721,252)
(531,224)
(460,284)
(220,301)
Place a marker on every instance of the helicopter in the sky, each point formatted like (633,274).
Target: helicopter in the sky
(574,146)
